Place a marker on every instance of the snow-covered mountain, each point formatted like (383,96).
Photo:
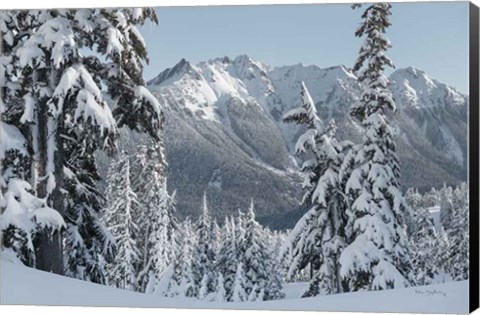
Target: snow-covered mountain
(438,111)
(224,131)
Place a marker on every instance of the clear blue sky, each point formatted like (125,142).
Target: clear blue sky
(430,36)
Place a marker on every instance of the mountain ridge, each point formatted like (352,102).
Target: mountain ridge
(225,133)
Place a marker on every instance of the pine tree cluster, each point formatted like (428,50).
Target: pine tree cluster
(441,250)
(183,260)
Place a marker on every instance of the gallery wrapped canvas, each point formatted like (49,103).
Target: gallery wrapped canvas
(318,157)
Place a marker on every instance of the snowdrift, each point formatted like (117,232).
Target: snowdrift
(20,285)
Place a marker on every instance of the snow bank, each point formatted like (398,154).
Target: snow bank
(21,285)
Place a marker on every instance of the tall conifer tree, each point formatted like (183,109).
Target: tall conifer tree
(377,255)
(55,65)
(120,217)
(203,265)
(318,237)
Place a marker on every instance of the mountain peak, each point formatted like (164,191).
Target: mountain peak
(413,88)
(182,67)
(415,78)
(249,68)
(419,79)
(410,71)
(242,59)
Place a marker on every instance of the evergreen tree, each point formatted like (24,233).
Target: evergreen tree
(58,61)
(258,265)
(22,213)
(447,208)
(441,254)
(239,230)
(183,263)
(290,271)
(431,198)
(204,291)
(203,265)
(458,234)
(155,219)
(227,259)
(217,235)
(414,198)
(14,156)
(88,242)
(121,42)
(274,291)
(220,293)
(165,285)
(239,293)
(119,216)
(318,237)
(377,255)
(424,240)
(22,216)
(415,201)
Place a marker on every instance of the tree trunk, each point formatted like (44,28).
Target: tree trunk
(49,251)
(49,245)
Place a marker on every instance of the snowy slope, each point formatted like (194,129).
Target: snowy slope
(22,285)
(225,134)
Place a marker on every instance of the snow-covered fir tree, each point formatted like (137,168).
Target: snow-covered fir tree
(122,207)
(377,255)
(274,290)
(15,235)
(126,51)
(414,198)
(261,279)
(88,243)
(239,293)
(424,241)
(447,208)
(64,118)
(458,259)
(415,201)
(203,264)
(431,198)
(441,254)
(220,293)
(23,214)
(239,230)
(285,261)
(165,285)
(64,96)
(217,234)
(183,276)
(227,258)
(156,217)
(318,237)
(275,241)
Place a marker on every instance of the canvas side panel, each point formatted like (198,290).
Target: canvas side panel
(473,162)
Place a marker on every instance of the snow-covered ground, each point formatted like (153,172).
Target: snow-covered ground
(26,286)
